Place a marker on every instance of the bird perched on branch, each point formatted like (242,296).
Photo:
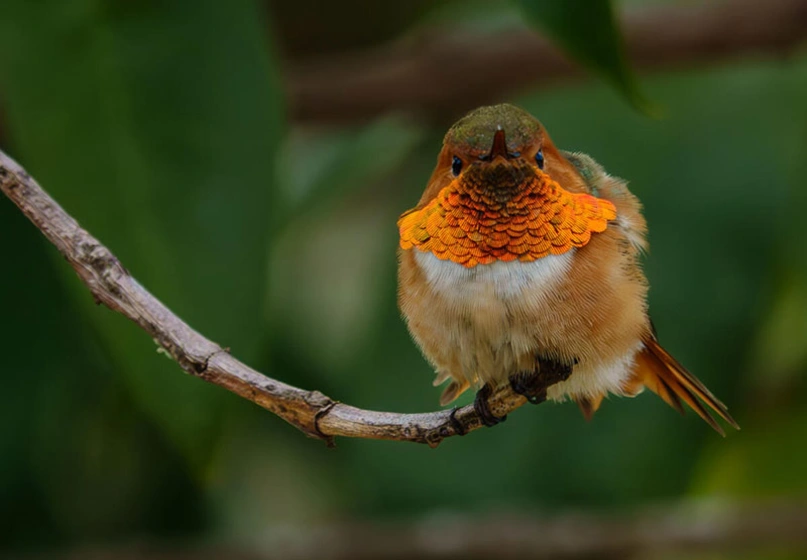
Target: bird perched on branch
(520,265)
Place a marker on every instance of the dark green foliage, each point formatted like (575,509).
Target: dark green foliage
(588,31)
(156,126)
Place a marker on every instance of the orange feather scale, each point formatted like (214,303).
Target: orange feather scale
(470,225)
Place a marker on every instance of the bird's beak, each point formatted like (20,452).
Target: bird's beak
(499,147)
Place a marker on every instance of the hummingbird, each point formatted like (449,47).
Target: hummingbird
(520,264)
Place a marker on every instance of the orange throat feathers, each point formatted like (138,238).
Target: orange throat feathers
(503,213)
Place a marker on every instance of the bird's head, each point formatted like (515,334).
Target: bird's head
(502,191)
(500,150)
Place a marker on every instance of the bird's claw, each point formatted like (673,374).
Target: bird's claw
(554,372)
(482,408)
(533,384)
(529,384)
(458,426)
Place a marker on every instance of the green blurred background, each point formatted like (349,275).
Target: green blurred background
(164,128)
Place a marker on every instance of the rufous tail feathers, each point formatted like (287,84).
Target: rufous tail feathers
(589,405)
(657,370)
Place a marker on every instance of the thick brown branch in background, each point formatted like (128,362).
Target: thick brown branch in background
(649,533)
(310,411)
(447,73)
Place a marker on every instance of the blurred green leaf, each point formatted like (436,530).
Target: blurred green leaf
(156,124)
(319,168)
(765,461)
(336,183)
(589,32)
(779,359)
(77,458)
(780,353)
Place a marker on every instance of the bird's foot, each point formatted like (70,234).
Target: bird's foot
(554,372)
(482,407)
(458,426)
(530,385)
(534,384)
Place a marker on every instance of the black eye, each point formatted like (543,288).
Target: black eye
(456,166)
(539,159)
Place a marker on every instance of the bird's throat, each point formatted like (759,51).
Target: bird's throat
(503,214)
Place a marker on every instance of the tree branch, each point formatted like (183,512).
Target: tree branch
(310,411)
(448,73)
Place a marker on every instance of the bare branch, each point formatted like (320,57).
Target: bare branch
(648,533)
(310,411)
(448,73)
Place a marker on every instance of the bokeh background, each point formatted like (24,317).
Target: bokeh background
(174,132)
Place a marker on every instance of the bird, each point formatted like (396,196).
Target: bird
(521,265)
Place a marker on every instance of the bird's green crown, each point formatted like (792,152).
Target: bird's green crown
(476,129)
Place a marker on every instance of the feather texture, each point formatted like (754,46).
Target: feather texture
(477,220)
(657,370)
